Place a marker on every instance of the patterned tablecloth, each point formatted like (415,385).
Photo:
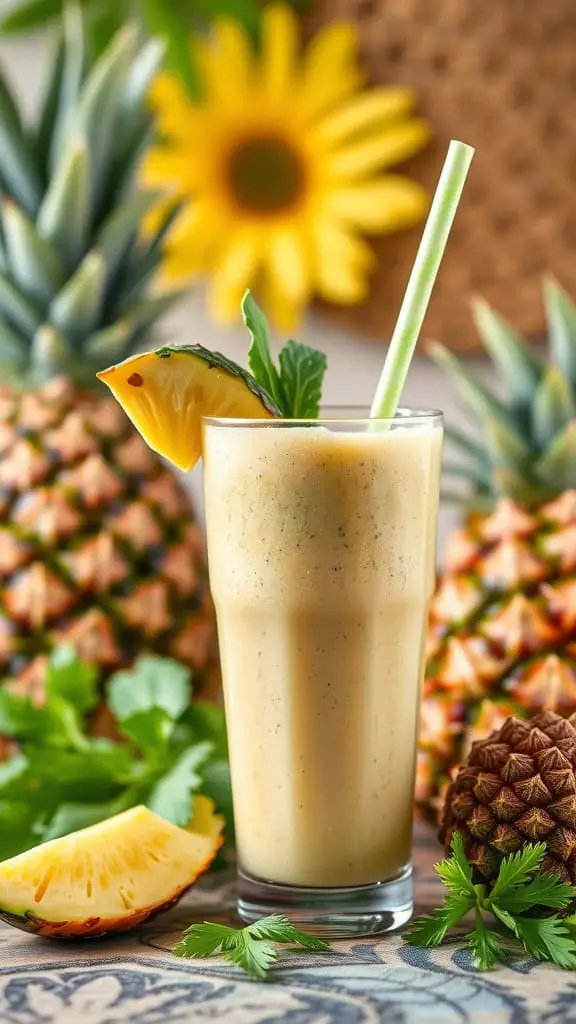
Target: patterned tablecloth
(365,981)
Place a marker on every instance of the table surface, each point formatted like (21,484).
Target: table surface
(364,981)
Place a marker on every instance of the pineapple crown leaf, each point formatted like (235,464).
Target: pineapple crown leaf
(529,437)
(74,267)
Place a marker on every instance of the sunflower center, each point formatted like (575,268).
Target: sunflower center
(265,175)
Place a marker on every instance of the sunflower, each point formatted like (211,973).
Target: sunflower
(282,166)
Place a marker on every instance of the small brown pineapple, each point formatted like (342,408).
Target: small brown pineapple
(517,786)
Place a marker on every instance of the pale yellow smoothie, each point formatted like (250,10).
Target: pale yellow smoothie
(321,549)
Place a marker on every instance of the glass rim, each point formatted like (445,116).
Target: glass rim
(346,414)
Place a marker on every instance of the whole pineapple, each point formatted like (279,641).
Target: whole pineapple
(98,544)
(502,636)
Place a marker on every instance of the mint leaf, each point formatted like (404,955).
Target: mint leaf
(547,938)
(302,371)
(216,784)
(255,956)
(152,683)
(543,891)
(207,939)
(16,827)
(278,928)
(259,356)
(71,679)
(517,868)
(172,796)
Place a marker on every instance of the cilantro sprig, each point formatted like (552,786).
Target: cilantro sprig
(516,892)
(296,387)
(62,779)
(252,948)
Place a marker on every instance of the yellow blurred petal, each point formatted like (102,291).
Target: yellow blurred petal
(389,147)
(224,93)
(176,115)
(192,241)
(233,274)
(288,262)
(232,53)
(365,113)
(283,311)
(169,167)
(385,205)
(280,39)
(342,263)
(330,71)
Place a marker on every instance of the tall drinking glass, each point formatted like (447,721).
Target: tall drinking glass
(321,546)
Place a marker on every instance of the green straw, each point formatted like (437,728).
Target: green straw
(422,278)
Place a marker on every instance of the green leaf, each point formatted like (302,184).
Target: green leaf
(14,349)
(431,929)
(455,871)
(45,128)
(547,938)
(20,719)
(516,363)
(508,448)
(73,817)
(557,467)
(76,309)
(74,67)
(487,947)
(216,784)
(517,868)
(20,309)
(72,680)
(29,15)
(542,891)
(205,940)
(259,356)
(150,730)
(106,17)
(145,313)
(152,683)
(278,928)
(16,828)
(164,20)
(172,796)
(64,215)
(254,956)
(208,722)
(107,344)
(302,371)
(561,317)
(477,398)
(50,354)
(552,407)
(34,263)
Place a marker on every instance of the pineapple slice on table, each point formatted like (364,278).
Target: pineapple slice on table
(98,542)
(502,634)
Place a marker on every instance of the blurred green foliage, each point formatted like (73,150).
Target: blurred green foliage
(172,20)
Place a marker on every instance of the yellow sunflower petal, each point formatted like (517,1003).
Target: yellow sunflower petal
(384,205)
(169,167)
(279,53)
(342,262)
(283,310)
(234,273)
(176,115)
(288,262)
(365,112)
(232,53)
(391,146)
(192,242)
(330,71)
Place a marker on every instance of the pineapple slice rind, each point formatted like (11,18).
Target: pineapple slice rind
(167,393)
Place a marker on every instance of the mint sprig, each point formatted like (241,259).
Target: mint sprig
(516,892)
(296,387)
(252,948)
(63,779)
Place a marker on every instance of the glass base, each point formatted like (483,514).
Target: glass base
(331,913)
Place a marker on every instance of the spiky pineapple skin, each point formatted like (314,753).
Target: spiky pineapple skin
(502,634)
(98,543)
(518,785)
